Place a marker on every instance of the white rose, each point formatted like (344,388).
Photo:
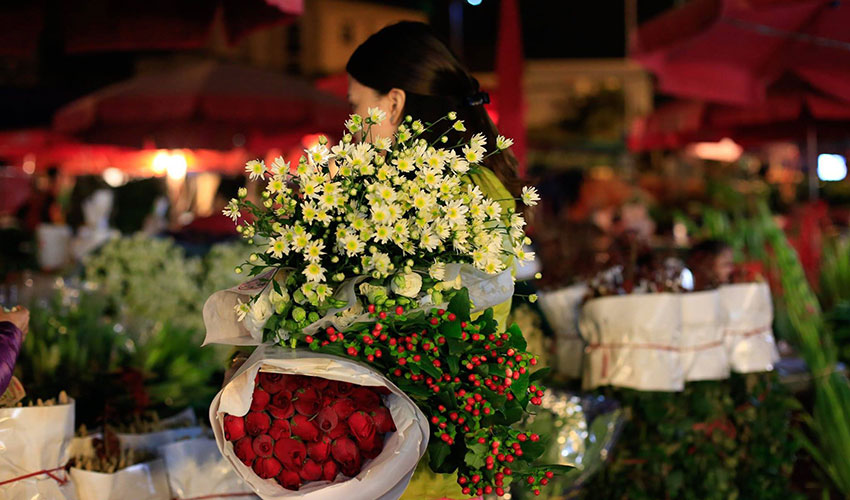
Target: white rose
(373,293)
(407,284)
(437,271)
(261,311)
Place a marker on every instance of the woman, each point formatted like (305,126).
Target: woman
(405,69)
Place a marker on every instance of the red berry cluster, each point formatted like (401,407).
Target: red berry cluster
(471,381)
(303,429)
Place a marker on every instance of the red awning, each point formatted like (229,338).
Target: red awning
(733,50)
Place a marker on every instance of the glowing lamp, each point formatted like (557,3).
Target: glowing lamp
(172,164)
(832,167)
(725,150)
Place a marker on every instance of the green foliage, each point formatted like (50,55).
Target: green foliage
(715,440)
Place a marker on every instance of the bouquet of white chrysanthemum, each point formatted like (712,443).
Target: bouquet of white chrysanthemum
(372,220)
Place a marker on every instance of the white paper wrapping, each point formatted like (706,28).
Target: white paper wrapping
(748,316)
(32,439)
(656,342)
(703,347)
(223,327)
(383,478)
(146,481)
(633,342)
(561,308)
(196,469)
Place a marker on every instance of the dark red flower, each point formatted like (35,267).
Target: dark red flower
(290,452)
(257,423)
(327,419)
(319,383)
(294,382)
(272,382)
(307,401)
(383,420)
(347,455)
(289,479)
(320,450)
(362,426)
(343,388)
(266,467)
(329,470)
(244,450)
(343,407)
(371,448)
(264,446)
(303,428)
(280,429)
(259,399)
(339,431)
(365,399)
(311,471)
(234,428)
(281,405)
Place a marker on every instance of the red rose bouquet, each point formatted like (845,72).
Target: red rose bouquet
(300,424)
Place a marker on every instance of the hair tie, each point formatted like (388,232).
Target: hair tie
(477,99)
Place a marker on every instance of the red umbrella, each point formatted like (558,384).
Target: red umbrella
(110,25)
(207,105)
(733,50)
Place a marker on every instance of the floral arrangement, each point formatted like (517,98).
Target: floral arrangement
(361,249)
(389,213)
(304,429)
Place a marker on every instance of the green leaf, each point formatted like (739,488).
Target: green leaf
(430,370)
(539,374)
(451,329)
(454,364)
(438,452)
(456,346)
(475,455)
(459,305)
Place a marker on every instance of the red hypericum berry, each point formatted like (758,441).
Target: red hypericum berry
(466,491)
(330,330)
(441,311)
(550,474)
(308,339)
(530,479)
(382,315)
(452,317)
(535,437)
(435,321)
(371,308)
(399,310)
(476,478)
(500,491)
(461,480)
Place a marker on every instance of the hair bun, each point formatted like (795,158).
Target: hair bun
(477,99)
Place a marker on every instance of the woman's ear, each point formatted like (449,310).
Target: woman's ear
(397,99)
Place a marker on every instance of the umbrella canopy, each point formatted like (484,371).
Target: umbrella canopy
(111,25)
(208,105)
(732,51)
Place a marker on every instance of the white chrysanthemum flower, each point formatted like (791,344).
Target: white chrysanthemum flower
(478,141)
(459,126)
(517,222)
(456,211)
(314,250)
(341,150)
(329,201)
(458,165)
(310,187)
(242,309)
(352,244)
(381,262)
(417,126)
(476,211)
(522,254)
(423,201)
(529,196)
(300,241)
(354,126)
(479,258)
(472,154)
(277,247)
(376,115)
(248,231)
(280,166)
(382,234)
(242,192)
(323,291)
(232,209)
(437,271)
(385,192)
(314,272)
(318,155)
(255,169)
(275,184)
(401,229)
(404,164)
(431,178)
(503,142)
(383,143)
(309,211)
(394,212)
(493,266)
(302,169)
(380,213)
(429,241)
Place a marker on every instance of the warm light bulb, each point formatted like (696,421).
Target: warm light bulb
(832,167)
(172,164)
(114,177)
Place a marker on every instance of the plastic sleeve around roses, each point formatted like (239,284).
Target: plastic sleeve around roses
(150,441)
(196,469)
(223,327)
(145,481)
(32,439)
(383,478)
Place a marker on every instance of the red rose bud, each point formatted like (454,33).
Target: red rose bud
(259,400)
(311,471)
(303,428)
(320,450)
(263,447)
(272,382)
(244,450)
(307,401)
(280,429)
(371,448)
(281,405)
(346,453)
(234,428)
(289,479)
(290,452)
(267,468)
(319,383)
(362,426)
(329,470)
(343,388)
(344,408)
(257,423)
(339,431)
(383,420)
(364,399)
(327,419)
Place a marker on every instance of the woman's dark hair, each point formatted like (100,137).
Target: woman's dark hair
(409,56)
